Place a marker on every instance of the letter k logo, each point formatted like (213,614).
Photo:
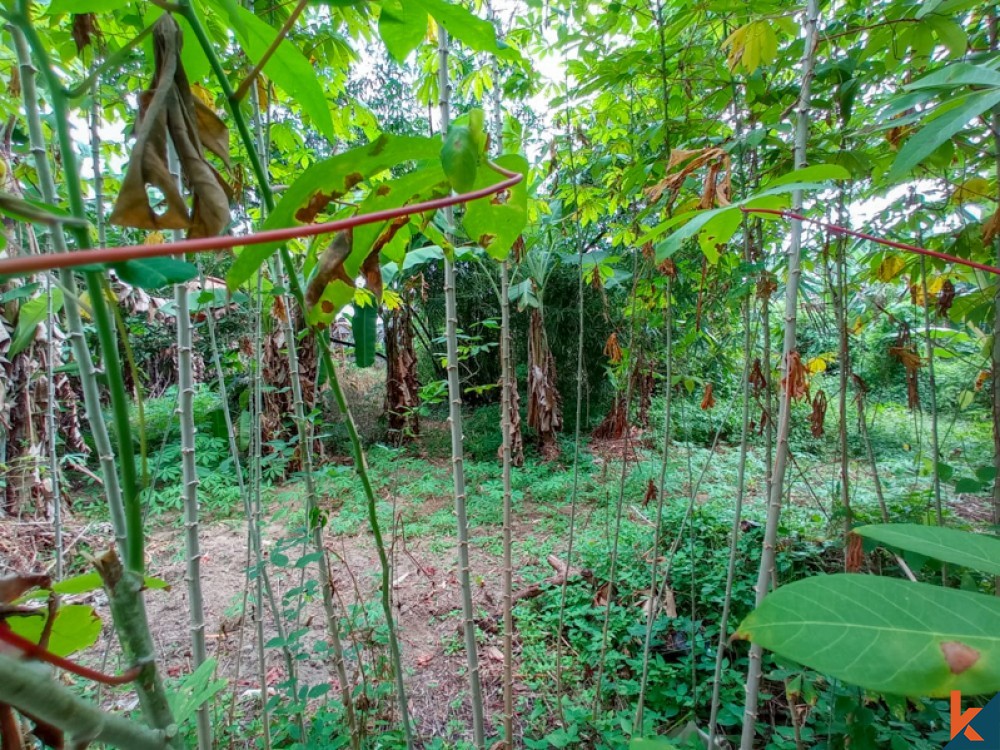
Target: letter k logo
(960,721)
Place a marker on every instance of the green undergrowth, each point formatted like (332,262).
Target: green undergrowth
(413,487)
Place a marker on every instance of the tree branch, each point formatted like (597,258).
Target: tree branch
(28,688)
(282,33)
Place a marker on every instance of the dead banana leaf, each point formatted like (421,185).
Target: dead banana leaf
(170,110)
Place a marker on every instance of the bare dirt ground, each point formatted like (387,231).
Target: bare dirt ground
(426,600)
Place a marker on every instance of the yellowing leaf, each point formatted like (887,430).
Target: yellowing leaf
(736,42)
(820,362)
(890,268)
(934,287)
(816,365)
(204,94)
(974,190)
(363,298)
(154,238)
(752,45)
(391,299)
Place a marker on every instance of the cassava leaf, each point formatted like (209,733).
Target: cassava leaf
(402,24)
(21,209)
(957,74)
(57,7)
(287,67)
(460,158)
(495,226)
(474,32)
(76,627)
(326,181)
(883,634)
(976,551)
(426,182)
(922,144)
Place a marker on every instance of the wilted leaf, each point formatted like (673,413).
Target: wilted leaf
(795,381)
(330,268)
(611,348)
(708,400)
(169,110)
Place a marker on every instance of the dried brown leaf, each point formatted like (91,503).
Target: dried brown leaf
(818,415)
(650,493)
(991,227)
(795,381)
(945,298)
(373,275)
(612,350)
(171,110)
(85,30)
(708,400)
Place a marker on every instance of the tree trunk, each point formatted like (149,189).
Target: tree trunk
(544,402)
(402,390)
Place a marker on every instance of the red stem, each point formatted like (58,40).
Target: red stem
(35,651)
(25,264)
(836,228)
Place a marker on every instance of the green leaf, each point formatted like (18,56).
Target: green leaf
(402,25)
(474,32)
(813,173)
(76,627)
(721,218)
(363,326)
(883,634)
(84,584)
(496,226)
(976,551)
(426,182)
(155,273)
(968,486)
(287,67)
(926,7)
(717,232)
(31,314)
(21,209)
(330,179)
(57,7)
(651,744)
(81,584)
(421,257)
(243,430)
(193,691)
(957,74)
(460,158)
(921,145)
(950,33)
